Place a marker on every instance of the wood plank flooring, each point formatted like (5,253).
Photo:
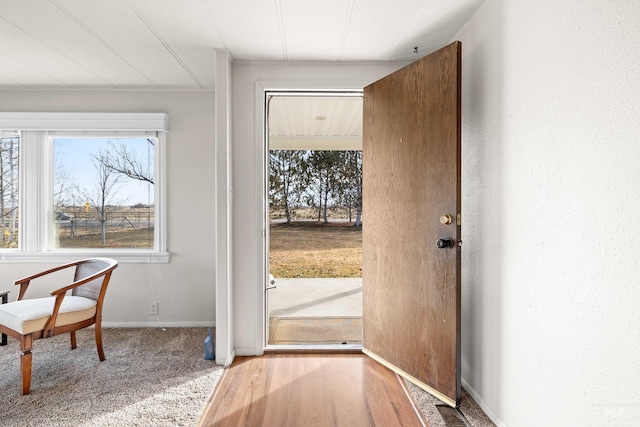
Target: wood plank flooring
(310,390)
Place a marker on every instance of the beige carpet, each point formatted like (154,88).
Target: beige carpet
(315,330)
(151,378)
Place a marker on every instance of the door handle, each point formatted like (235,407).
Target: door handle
(444,243)
(272,283)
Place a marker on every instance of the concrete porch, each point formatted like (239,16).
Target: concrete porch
(315,297)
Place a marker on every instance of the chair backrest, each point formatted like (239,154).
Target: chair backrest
(86,268)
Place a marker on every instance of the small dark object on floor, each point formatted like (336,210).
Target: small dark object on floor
(452,417)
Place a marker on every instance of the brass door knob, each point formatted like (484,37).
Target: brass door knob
(446,219)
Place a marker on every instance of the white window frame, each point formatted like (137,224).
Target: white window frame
(36,180)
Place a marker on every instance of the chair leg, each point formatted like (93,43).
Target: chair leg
(73,340)
(98,329)
(26,343)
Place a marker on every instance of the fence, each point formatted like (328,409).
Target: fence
(81,223)
(75,227)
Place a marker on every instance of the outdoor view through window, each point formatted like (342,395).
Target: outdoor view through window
(9,186)
(103,192)
(315,208)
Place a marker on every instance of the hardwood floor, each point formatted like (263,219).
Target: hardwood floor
(310,390)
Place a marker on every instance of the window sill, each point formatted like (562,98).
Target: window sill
(125,257)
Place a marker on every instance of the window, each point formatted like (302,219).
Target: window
(82,185)
(103,192)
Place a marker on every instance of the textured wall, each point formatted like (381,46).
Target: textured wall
(551,183)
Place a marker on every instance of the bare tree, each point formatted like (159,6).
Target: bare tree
(284,179)
(106,186)
(64,187)
(8,190)
(125,163)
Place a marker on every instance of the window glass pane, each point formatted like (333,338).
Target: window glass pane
(9,188)
(103,193)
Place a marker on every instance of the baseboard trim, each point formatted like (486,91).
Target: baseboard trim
(160,324)
(247,351)
(228,361)
(483,405)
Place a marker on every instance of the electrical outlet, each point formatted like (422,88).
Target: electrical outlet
(154,308)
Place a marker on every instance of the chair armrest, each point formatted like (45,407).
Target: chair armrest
(24,283)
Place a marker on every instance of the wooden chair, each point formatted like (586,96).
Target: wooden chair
(30,319)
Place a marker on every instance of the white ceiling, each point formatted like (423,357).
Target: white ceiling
(170,44)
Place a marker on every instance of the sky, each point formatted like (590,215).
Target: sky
(75,156)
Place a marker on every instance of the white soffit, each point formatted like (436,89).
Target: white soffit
(315,143)
(315,123)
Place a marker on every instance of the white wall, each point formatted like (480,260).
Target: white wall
(551,196)
(184,287)
(248,173)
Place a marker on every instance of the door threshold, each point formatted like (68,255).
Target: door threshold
(314,348)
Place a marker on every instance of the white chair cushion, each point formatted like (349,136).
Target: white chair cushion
(30,315)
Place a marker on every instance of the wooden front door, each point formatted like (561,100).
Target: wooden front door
(411,227)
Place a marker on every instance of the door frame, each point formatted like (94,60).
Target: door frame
(266,238)
(262,90)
